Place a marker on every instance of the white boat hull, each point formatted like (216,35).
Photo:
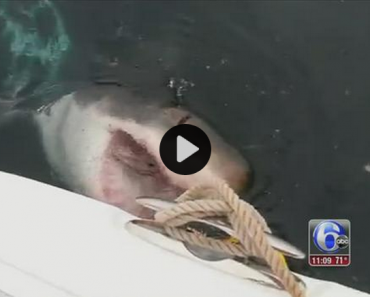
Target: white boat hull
(55,243)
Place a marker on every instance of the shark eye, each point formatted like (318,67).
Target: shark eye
(184,119)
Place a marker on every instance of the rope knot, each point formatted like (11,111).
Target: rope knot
(219,200)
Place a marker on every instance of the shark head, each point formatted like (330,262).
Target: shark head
(104,143)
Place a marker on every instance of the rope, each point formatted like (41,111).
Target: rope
(249,227)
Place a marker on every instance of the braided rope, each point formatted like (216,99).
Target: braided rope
(249,227)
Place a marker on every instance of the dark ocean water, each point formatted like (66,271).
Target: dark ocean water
(285,82)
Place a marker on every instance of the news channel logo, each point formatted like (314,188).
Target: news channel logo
(330,238)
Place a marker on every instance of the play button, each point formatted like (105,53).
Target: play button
(185,149)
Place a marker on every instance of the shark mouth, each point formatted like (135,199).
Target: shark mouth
(130,170)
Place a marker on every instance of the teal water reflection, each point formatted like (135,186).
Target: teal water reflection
(33,43)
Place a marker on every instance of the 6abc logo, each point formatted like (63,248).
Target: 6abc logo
(330,236)
(329,242)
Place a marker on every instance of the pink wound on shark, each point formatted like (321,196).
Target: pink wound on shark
(127,159)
